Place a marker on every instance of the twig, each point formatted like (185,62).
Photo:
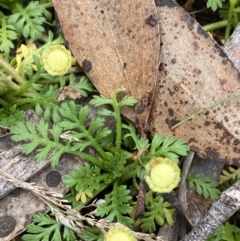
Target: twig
(220,211)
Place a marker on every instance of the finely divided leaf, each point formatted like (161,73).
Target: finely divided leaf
(157,212)
(169,147)
(85,178)
(39,136)
(117,204)
(228,175)
(204,186)
(140,142)
(46,228)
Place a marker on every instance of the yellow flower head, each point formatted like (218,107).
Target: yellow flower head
(162,175)
(57,60)
(119,234)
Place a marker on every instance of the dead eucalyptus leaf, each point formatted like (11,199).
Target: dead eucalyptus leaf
(117,44)
(195,74)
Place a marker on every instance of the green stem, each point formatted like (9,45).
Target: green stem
(95,161)
(8,82)
(98,148)
(117,113)
(12,72)
(229,20)
(47,5)
(129,171)
(4,103)
(216,25)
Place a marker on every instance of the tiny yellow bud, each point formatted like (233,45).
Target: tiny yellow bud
(119,234)
(162,175)
(57,60)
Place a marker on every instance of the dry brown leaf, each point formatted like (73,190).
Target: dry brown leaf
(117,44)
(67,92)
(196,73)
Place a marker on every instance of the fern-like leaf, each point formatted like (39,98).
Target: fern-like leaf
(230,232)
(10,116)
(117,204)
(38,136)
(217,234)
(204,186)
(85,178)
(46,228)
(228,175)
(169,147)
(7,35)
(28,20)
(157,212)
(89,236)
(140,142)
(215,4)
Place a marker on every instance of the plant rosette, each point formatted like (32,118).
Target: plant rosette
(57,60)
(119,234)
(162,175)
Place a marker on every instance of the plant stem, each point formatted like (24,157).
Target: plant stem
(96,161)
(12,72)
(129,171)
(216,25)
(8,82)
(117,114)
(230,19)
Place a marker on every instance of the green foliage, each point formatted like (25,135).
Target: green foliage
(23,21)
(157,211)
(116,205)
(84,85)
(90,236)
(7,35)
(204,186)
(28,20)
(10,116)
(42,136)
(139,142)
(169,147)
(230,232)
(216,235)
(46,228)
(215,4)
(85,178)
(228,175)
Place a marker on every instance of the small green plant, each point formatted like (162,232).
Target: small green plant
(204,186)
(66,128)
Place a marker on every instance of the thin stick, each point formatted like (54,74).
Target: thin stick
(220,211)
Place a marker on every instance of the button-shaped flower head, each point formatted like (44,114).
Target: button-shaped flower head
(119,234)
(57,60)
(162,175)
